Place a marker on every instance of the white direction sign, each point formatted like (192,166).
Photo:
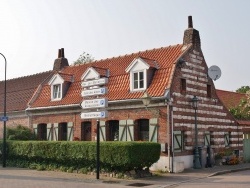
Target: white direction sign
(95,103)
(93,115)
(101,81)
(92,92)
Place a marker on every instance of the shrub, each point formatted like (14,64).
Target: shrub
(114,156)
(20,133)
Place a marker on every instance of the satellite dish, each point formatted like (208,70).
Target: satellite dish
(214,72)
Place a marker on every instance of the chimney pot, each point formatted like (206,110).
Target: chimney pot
(190,22)
(62,52)
(59,53)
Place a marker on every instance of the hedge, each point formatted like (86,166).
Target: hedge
(114,156)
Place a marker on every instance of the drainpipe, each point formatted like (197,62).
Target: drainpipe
(169,137)
(172,136)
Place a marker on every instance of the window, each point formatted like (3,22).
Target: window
(209,91)
(57,91)
(62,131)
(183,86)
(227,139)
(42,131)
(113,130)
(143,125)
(139,80)
(86,131)
(178,141)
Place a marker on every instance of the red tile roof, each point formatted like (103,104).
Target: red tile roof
(230,99)
(20,90)
(118,84)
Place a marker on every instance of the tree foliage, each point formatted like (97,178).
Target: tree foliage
(242,111)
(83,59)
(243,89)
(20,133)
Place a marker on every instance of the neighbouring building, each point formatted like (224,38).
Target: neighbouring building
(169,77)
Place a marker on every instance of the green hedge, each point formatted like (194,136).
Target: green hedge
(114,156)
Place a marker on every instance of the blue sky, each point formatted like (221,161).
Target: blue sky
(32,31)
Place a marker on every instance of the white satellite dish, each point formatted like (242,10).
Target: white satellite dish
(214,72)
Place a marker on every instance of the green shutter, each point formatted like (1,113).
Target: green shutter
(35,129)
(102,131)
(207,138)
(70,131)
(130,133)
(49,131)
(153,130)
(227,139)
(178,140)
(55,131)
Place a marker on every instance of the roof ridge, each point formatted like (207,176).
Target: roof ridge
(17,78)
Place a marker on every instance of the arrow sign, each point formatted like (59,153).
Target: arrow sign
(4,118)
(92,92)
(101,81)
(95,103)
(93,115)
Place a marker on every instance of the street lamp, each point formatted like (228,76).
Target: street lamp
(197,163)
(4,118)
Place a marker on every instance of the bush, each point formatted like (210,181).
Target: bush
(114,156)
(20,133)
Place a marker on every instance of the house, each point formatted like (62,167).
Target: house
(168,77)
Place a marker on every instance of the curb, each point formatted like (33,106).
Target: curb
(228,171)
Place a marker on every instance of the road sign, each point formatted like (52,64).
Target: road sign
(93,92)
(95,103)
(4,118)
(101,81)
(94,115)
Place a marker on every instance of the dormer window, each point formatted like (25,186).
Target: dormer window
(57,91)
(139,79)
(141,73)
(59,84)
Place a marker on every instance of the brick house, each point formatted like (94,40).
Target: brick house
(169,76)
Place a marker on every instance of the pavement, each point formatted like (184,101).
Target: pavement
(14,176)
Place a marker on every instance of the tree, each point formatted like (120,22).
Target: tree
(242,111)
(83,59)
(243,89)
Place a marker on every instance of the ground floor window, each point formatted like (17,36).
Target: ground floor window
(42,131)
(62,131)
(143,129)
(86,131)
(113,130)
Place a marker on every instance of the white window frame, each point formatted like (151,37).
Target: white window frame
(144,80)
(56,92)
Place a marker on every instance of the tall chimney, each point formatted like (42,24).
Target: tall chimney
(191,35)
(61,61)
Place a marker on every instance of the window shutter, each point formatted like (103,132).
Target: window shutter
(153,130)
(178,140)
(35,129)
(207,139)
(102,131)
(227,139)
(122,130)
(70,131)
(130,130)
(55,132)
(49,131)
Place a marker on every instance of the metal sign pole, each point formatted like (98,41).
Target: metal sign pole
(98,150)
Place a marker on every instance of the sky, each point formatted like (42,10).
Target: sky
(32,31)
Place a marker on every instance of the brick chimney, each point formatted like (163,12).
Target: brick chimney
(191,35)
(61,61)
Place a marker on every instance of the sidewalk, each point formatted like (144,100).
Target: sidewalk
(161,180)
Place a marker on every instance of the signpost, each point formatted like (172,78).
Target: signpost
(91,88)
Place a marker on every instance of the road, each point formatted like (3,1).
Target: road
(232,180)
